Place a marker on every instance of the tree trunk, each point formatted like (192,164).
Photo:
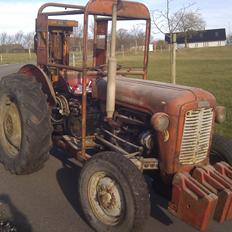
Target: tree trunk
(29,52)
(136,46)
(173,58)
(186,39)
(73,59)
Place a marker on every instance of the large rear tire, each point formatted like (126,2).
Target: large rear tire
(25,126)
(221,150)
(113,194)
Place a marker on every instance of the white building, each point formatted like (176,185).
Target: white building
(200,39)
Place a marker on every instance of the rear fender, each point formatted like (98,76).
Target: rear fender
(33,70)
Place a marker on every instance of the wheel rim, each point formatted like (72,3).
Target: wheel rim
(105,198)
(11,132)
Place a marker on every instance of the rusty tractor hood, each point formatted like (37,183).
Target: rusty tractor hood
(153,96)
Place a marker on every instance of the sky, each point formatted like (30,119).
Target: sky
(20,15)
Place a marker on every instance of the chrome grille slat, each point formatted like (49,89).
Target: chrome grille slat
(196,136)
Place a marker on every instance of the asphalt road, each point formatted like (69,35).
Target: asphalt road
(47,201)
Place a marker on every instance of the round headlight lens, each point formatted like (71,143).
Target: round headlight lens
(160,122)
(220,114)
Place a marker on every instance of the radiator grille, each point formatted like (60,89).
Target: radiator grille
(196,136)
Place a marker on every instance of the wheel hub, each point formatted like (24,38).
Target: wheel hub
(105,198)
(8,126)
(11,132)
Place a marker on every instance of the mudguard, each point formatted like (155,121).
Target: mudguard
(33,70)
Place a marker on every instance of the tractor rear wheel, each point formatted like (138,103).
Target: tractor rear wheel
(113,194)
(25,126)
(221,150)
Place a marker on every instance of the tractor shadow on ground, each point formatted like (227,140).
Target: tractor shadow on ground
(158,207)
(9,213)
(159,204)
(67,178)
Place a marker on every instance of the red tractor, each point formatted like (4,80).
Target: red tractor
(119,128)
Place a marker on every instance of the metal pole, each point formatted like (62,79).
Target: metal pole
(84,94)
(95,42)
(146,52)
(173,59)
(112,68)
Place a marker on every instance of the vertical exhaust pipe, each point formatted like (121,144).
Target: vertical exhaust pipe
(112,68)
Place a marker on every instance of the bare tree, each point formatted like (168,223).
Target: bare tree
(78,35)
(161,45)
(137,35)
(229,39)
(91,29)
(18,37)
(190,22)
(28,41)
(123,39)
(3,38)
(167,21)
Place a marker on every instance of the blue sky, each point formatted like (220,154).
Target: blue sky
(20,15)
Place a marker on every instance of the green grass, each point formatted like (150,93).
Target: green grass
(207,68)
(13,58)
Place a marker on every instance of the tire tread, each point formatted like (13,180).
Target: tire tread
(135,181)
(36,137)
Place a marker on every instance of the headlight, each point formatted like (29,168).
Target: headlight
(220,114)
(160,122)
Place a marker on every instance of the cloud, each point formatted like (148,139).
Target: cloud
(17,16)
(20,15)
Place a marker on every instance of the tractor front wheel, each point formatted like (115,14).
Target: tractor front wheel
(113,194)
(221,150)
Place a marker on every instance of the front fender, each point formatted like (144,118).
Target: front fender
(33,70)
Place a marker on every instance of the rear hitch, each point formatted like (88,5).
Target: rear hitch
(203,195)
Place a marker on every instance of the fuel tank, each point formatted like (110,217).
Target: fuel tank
(183,105)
